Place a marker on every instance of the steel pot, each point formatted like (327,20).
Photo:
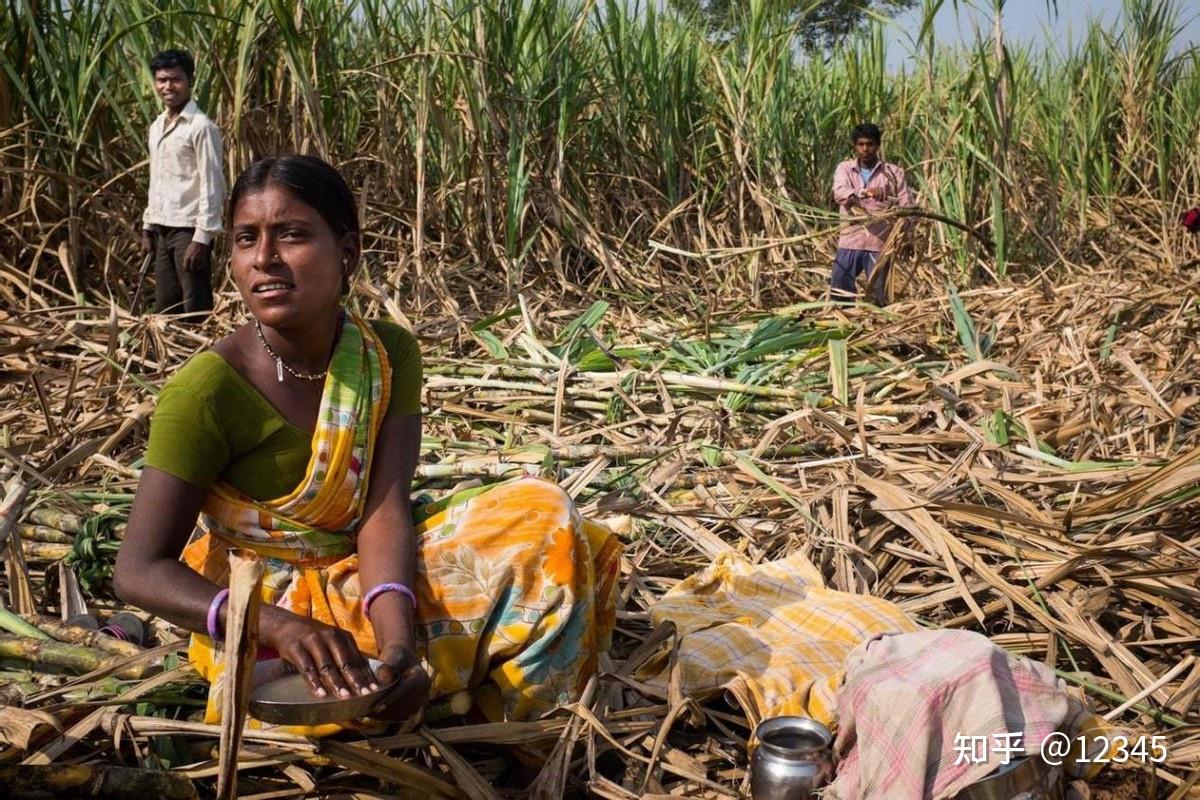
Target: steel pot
(792,759)
(1026,778)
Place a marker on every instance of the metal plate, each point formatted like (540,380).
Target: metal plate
(286,700)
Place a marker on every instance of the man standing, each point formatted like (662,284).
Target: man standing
(1190,219)
(187,190)
(865,185)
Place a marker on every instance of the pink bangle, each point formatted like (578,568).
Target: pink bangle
(383,588)
(214,614)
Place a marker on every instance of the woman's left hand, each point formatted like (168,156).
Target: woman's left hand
(411,690)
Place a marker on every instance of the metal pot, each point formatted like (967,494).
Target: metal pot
(1027,778)
(792,760)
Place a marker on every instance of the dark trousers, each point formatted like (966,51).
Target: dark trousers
(847,266)
(176,290)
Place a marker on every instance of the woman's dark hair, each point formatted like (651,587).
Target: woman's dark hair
(168,59)
(310,180)
(866,130)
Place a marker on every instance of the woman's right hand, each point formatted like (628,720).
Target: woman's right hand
(327,657)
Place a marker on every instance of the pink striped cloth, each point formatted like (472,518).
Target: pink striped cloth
(910,701)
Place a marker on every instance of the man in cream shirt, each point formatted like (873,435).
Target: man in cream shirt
(187,191)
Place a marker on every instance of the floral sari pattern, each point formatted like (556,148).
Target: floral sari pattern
(515,590)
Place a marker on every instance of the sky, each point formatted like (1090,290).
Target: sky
(1025,21)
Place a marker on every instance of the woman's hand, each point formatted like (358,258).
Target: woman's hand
(327,657)
(411,690)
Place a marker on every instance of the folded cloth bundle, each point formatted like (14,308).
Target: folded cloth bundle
(899,697)
(912,704)
(770,634)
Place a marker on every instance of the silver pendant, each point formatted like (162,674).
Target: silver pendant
(279,369)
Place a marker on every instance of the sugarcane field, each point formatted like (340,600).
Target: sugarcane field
(600,398)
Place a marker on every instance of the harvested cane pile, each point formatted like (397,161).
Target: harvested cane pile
(1021,460)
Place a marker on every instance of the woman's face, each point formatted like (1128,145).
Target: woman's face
(287,262)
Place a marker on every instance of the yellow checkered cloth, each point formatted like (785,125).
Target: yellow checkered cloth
(770,634)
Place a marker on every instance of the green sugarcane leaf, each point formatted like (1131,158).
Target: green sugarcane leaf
(963,324)
(996,428)
(584,322)
(20,627)
(492,344)
(711,454)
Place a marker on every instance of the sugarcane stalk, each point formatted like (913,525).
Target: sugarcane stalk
(506,370)
(49,651)
(44,533)
(76,658)
(515,402)
(679,379)
(760,405)
(97,781)
(517,457)
(469,469)
(89,496)
(458,383)
(60,520)
(1116,697)
(72,634)
(44,551)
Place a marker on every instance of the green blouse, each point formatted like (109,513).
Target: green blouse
(211,424)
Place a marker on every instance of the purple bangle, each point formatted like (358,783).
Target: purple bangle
(115,631)
(383,588)
(214,614)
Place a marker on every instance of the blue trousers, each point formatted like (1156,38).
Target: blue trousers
(847,266)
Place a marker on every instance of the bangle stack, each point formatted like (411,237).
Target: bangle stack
(214,614)
(384,588)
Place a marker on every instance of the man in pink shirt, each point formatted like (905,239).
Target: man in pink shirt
(1190,219)
(865,185)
